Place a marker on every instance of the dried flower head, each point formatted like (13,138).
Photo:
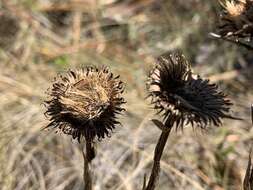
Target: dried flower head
(85,103)
(181,97)
(237,18)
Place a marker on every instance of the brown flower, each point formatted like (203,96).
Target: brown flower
(183,98)
(237,18)
(85,103)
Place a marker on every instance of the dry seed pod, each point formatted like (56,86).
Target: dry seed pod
(85,103)
(183,98)
(237,18)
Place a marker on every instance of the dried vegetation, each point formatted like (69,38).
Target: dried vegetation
(48,37)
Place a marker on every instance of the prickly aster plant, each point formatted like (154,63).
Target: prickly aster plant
(236,22)
(181,98)
(84,104)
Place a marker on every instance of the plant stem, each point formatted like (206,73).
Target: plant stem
(87,177)
(154,177)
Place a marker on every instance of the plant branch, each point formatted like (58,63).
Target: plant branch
(154,177)
(235,41)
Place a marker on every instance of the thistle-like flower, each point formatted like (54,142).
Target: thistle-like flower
(85,103)
(182,97)
(237,18)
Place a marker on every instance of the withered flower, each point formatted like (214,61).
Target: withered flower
(237,18)
(183,98)
(85,103)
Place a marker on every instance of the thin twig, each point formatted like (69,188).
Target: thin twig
(252,113)
(235,41)
(153,179)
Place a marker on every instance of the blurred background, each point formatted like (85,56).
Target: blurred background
(40,38)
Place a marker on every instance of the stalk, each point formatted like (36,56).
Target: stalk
(87,157)
(154,177)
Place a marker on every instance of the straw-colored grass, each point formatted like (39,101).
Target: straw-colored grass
(34,159)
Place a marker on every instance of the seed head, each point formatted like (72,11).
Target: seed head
(237,18)
(183,98)
(85,103)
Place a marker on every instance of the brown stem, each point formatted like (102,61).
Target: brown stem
(87,177)
(154,177)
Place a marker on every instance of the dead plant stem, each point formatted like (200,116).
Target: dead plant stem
(154,177)
(87,174)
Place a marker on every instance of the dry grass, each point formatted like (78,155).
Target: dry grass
(126,37)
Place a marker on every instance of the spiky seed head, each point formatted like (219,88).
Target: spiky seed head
(85,103)
(183,98)
(237,18)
